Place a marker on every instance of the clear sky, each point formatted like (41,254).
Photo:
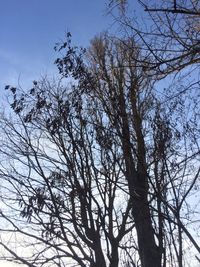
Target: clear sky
(29,30)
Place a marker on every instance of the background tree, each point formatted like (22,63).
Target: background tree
(168,32)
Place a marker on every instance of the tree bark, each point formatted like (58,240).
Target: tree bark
(148,250)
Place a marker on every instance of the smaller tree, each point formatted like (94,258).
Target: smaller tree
(66,197)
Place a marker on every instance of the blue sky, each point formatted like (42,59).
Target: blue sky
(30,28)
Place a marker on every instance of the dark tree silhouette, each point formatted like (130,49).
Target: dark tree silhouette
(99,168)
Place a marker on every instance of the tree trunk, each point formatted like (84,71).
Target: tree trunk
(99,257)
(149,252)
(114,256)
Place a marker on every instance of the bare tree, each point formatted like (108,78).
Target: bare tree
(168,34)
(62,182)
(104,170)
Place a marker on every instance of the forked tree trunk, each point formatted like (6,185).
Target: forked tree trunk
(138,189)
(148,250)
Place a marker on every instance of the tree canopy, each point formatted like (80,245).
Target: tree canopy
(101,167)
